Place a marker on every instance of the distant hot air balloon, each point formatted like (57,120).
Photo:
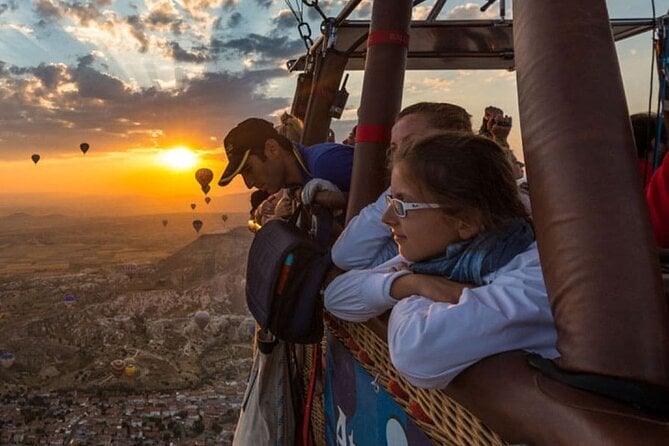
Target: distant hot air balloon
(192,206)
(164,223)
(197,224)
(130,269)
(117,367)
(131,371)
(84,147)
(224,217)
(35,158)
(207,199)
(69,300)
(204,177)
(201,319)
(7,360)
(206,188)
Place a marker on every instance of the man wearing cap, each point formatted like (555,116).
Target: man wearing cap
(269,161)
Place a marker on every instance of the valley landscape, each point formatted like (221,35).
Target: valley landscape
(77,293)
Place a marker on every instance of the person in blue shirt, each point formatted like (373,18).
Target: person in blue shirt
(269,161)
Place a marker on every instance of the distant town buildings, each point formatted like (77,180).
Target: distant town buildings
(191,417)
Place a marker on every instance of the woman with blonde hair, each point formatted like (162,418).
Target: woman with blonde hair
(290,126)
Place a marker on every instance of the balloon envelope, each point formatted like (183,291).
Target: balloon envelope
(204,176)
(207,199)
(164,223)
(35,158)
(224,217)
(69,299)
(6,360)
(117,367)
(192,206)
(84,147)
(202,319)
(206,188)
(197,224)
(130,371)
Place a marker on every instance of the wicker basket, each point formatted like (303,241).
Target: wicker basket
(443,420)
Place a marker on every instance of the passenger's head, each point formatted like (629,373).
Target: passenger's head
(259,153)
(290,126)
(466,179)
(644,126)
(419,119)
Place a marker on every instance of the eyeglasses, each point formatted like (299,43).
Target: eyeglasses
(402,207)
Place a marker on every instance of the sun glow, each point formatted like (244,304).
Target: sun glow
(178,158)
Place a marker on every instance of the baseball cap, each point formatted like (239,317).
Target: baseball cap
(247,137)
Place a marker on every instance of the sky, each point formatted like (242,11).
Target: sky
(153,86)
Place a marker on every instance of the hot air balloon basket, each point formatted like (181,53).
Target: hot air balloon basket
(443,420)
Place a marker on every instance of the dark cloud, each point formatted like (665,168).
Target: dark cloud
(138,31)
(284,20)
(51,76)
(118,116)
(47,11)
(12,4)
(234,20)
(200,54)
(269,48)
(94,84)
(264,3)
(85,13)
(229,4)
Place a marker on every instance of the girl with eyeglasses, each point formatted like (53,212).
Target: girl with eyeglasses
(468,282)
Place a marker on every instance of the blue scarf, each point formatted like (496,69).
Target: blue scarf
(470,260)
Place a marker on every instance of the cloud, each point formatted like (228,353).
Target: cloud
(10,5)
(234,20)
(73,103)
(472,11)
(264,3)
(269,48)
(178,53)
(284,20)
(47,10)
(138,31)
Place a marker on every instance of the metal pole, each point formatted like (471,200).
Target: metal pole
(381,99)
(597,251)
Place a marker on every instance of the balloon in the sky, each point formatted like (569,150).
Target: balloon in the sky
(69,299)
(202,319)
(130,371)
(117,367)
(207,199)
(197,224)
(164,223)
(192,206)
(7,360)
(204,177)
(130,268)
(84,147)
(224,217)
(206,188)
(35,158)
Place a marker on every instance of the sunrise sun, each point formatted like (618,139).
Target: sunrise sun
(178,158)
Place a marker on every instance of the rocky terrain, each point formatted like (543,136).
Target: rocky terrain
(135,297)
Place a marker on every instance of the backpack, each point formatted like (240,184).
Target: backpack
(286,266)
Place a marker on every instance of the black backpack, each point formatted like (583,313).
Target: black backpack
(286,267)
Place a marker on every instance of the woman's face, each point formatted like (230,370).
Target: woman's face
(423,233)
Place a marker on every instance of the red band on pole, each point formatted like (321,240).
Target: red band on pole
(388,37)
(372,133)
